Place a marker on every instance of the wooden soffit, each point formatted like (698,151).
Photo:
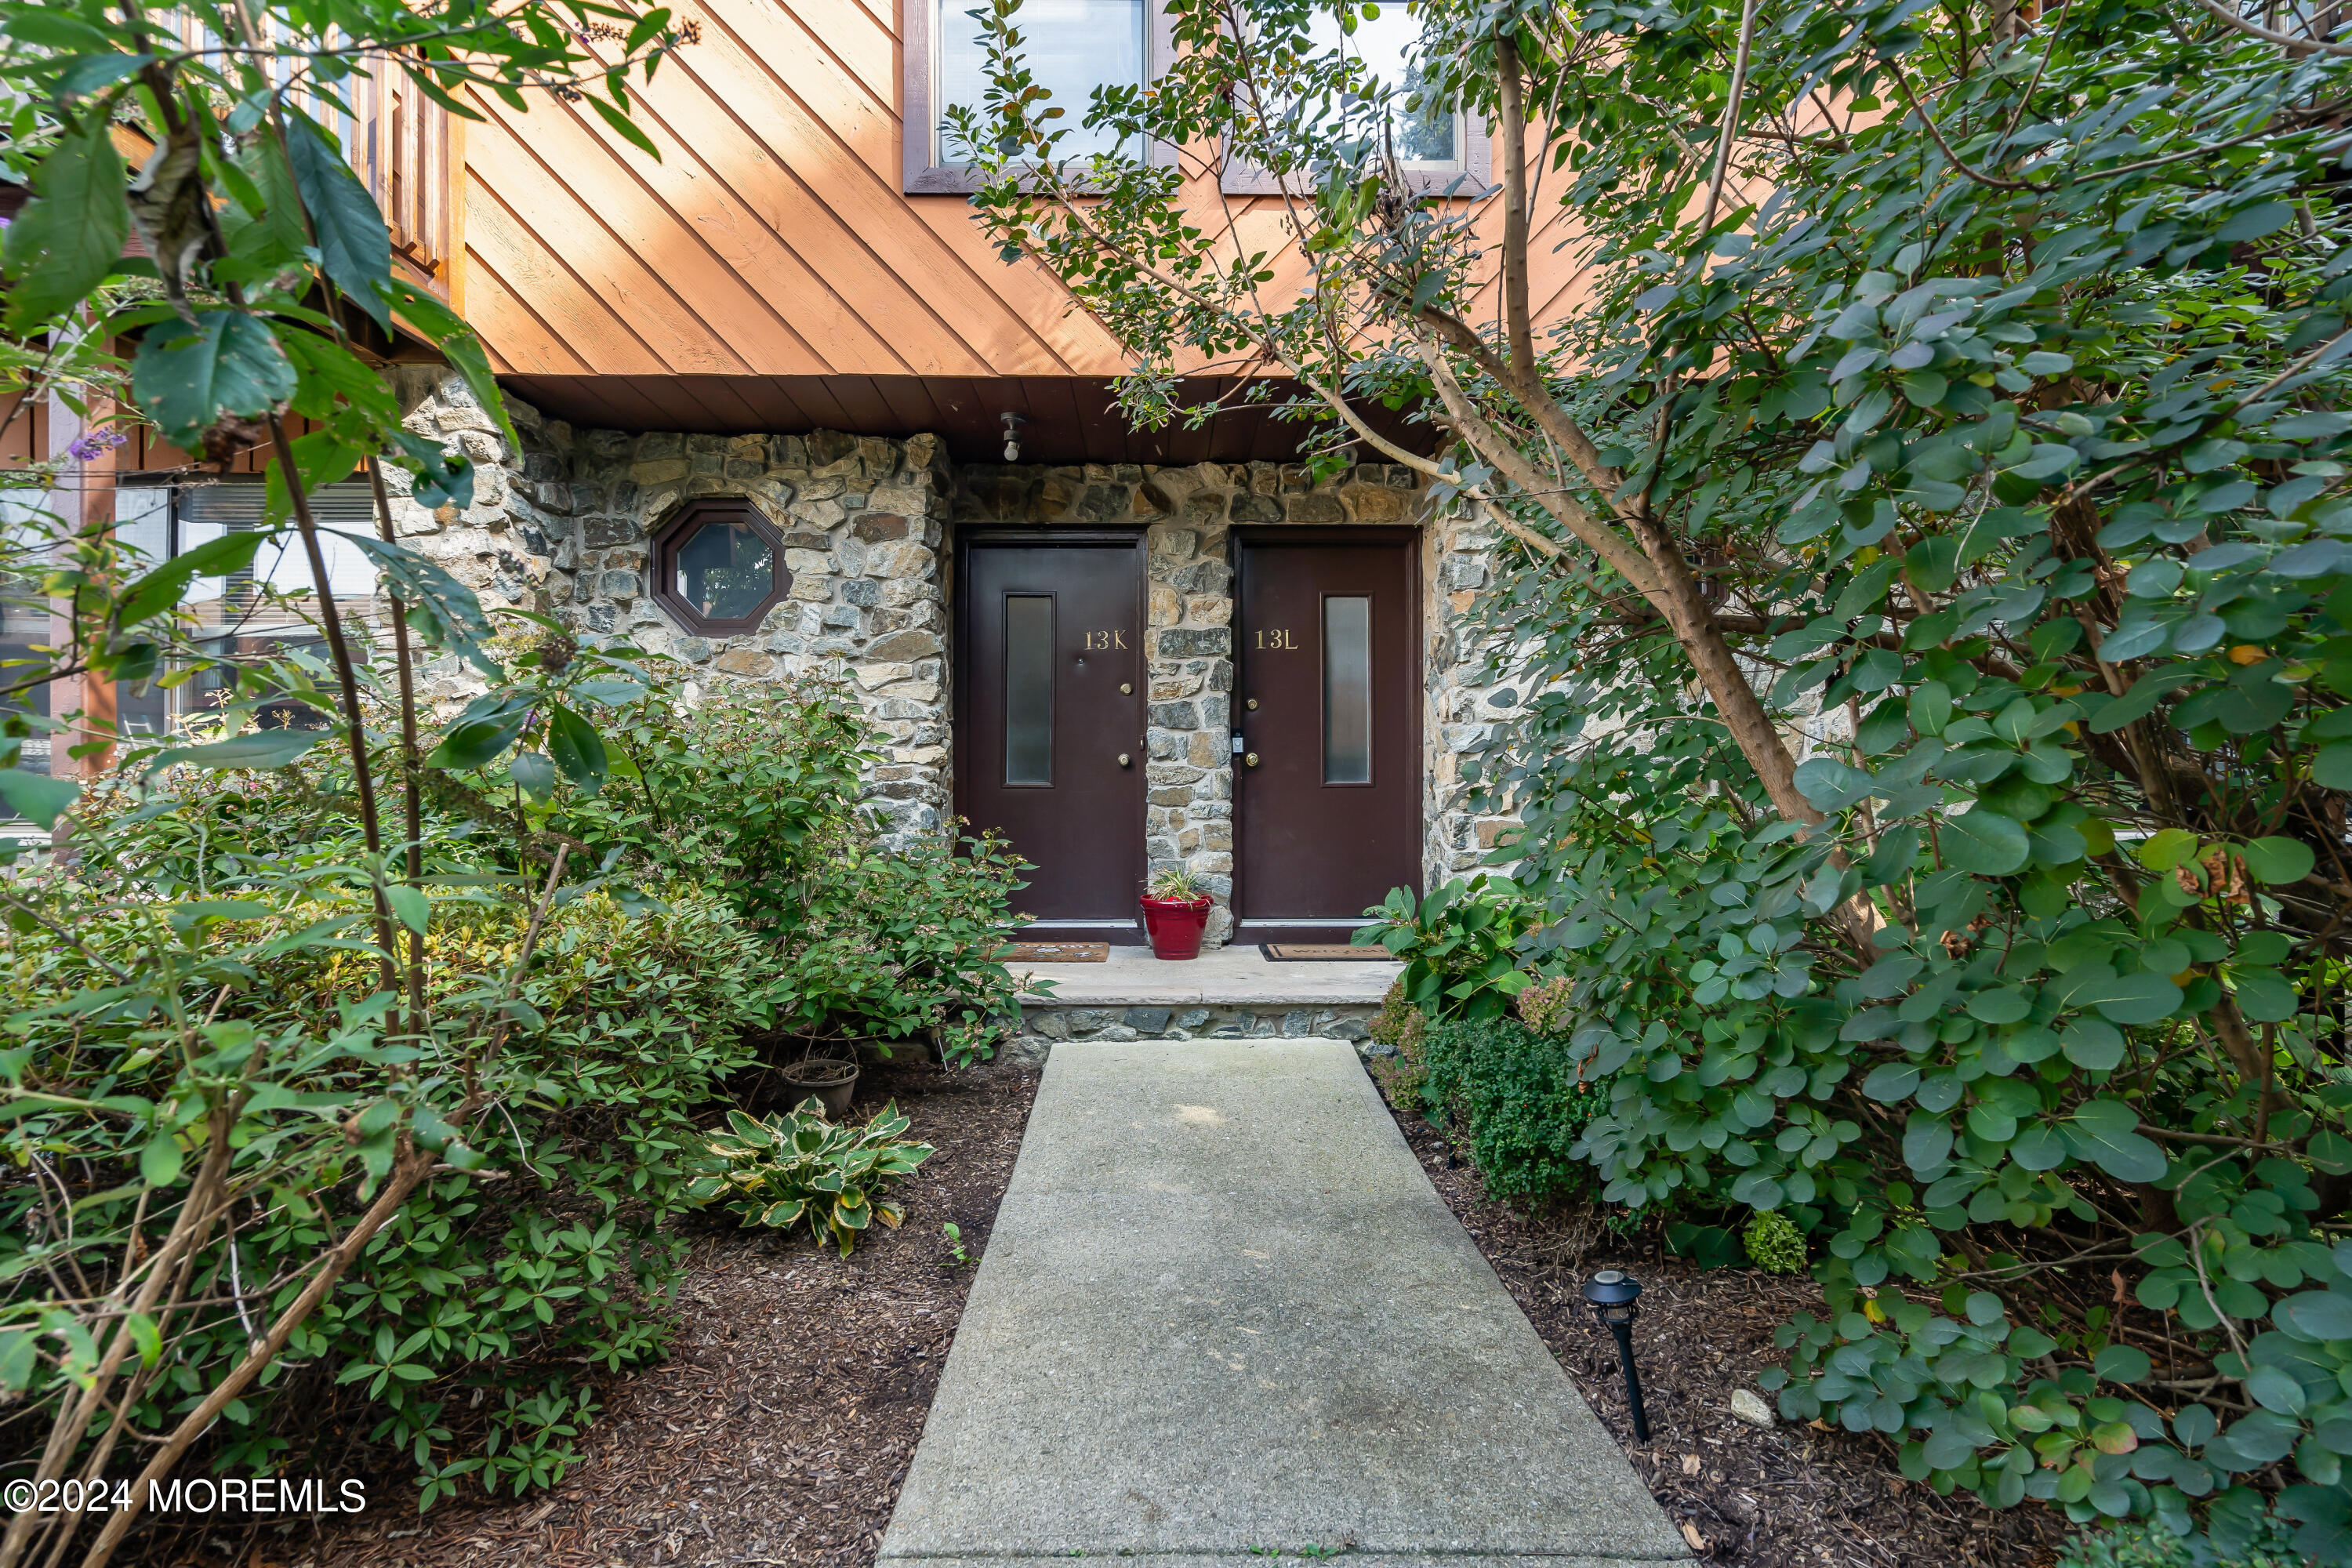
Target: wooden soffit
(1064,419)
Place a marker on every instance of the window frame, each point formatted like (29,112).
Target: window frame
(918,22)
(661,565)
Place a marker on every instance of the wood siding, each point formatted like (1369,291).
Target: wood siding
(770,256)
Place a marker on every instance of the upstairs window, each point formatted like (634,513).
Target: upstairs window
(1430,137)
(1071,47)
(1439,147)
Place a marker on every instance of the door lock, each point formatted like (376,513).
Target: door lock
(1122,759)
(1253,704)
(1126,690)
(1251,759)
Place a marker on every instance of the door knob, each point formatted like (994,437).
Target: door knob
(1251,759)
(1122,759)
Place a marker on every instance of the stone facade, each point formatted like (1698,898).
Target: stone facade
(1465,709)
(863,522)
(565,527)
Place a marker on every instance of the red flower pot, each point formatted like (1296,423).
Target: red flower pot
(1175,926)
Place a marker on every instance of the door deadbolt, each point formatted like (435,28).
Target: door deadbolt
(1122,759)
(1126,690)
(1253,704)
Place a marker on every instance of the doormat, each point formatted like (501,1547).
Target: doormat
(1318,953)
(1056,953)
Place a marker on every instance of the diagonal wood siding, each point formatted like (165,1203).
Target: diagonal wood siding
(771,239)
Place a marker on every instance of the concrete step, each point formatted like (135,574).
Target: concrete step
(1226,994)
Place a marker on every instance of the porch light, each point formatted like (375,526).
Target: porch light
(1012,422)
(1612,1294)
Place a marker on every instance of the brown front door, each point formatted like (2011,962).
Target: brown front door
(1328,819)
(1049,722)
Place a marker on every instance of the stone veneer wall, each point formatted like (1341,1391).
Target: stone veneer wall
(564,528)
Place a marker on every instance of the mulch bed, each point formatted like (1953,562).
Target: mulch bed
(780,1429)
(1793,1497)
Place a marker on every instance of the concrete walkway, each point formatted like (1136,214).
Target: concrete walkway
(1223,1315)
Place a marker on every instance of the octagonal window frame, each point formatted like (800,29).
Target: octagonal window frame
(681,526)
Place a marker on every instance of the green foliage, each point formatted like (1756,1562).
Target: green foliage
(1176,884)
(757,796)
(1773,1243)
(1460,945)
(2263,1540)
(251,229)
(2048,554)
(328,1100)
(1404,1029)
(1997,451)
(545,1250)
(543,1090)
(796,1166)
(1518,1098)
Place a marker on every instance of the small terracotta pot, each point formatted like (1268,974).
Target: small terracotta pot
(1175,926)
(832,1080)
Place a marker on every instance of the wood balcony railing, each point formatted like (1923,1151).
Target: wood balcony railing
(401,144)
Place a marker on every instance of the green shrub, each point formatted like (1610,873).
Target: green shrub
(782,1169)
(458,1336)
(1460,945)
(2258,1541)
(2034,949)
(1403,1028)
(197,1022)
(1516,1096)
(756,792)
(1774,1244)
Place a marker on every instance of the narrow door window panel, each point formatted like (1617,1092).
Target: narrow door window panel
(1346,691)
(1028,689)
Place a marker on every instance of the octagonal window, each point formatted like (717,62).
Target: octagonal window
(718,567)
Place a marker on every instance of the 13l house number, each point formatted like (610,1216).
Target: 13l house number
(1275,639)
(1098,642)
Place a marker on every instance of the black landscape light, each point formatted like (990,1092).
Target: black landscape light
(1613,1293)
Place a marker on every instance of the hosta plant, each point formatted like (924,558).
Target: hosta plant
(789,1167)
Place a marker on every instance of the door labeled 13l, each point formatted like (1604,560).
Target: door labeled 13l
(1327,786)
(1049,728)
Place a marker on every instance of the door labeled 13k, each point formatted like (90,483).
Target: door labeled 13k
(1050,717)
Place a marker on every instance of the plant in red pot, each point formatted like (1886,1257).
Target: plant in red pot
(1175,913)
